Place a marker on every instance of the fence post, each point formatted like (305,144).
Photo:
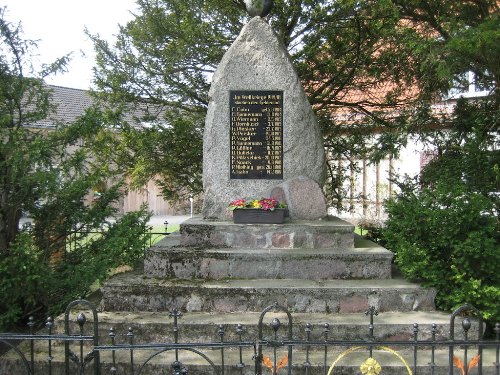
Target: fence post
(31,324)
(497,363)
(326,331)
(82,321)
(49,325)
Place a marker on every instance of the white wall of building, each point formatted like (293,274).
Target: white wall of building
(372,185)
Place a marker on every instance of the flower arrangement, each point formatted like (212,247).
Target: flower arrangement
(266,204)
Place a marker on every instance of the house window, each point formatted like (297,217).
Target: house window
(469,85)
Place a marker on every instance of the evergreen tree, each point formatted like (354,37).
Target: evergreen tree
(443,225)
(367,66)
(50,173)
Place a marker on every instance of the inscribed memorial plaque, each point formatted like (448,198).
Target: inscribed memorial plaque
(256,134)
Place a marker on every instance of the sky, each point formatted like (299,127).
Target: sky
(59,25)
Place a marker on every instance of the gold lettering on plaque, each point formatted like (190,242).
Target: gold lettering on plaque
(256,134)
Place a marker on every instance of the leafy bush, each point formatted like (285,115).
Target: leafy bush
(90,262)
(444,228)
(29,284)
(23,278)
(372,230)
(448,241)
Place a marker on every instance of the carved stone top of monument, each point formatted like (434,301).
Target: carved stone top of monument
(260,129)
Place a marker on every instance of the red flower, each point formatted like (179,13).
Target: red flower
(266,204)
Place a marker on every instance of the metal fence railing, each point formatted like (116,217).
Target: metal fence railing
(74,239)
(66,242)
(274,347)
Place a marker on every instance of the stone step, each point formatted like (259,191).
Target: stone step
(340,360)
(135,292)
(148,327)
(331,233)
(373,262)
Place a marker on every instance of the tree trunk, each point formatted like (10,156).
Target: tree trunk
(9,224)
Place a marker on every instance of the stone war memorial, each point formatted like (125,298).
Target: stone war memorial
(219,280)
(261,140)
(260,130)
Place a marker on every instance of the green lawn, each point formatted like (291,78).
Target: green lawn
(158,232)
(161,228)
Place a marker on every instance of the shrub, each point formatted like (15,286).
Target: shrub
(90,262)
(30,284)
(23,278)
(50,174)
(444,227)
(450,242)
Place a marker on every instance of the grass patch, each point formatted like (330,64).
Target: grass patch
(161,228)
(157,232)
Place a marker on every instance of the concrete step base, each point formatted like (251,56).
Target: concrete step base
(135,292)
(330,233)
(149,327)
(220,263)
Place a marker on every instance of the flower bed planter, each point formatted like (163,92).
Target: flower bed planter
(258,216)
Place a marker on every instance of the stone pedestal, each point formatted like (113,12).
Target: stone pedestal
(308,266)
(332,233)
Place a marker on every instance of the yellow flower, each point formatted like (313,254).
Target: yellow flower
(371,367)
(256,204)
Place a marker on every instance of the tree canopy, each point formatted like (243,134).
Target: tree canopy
(367,66)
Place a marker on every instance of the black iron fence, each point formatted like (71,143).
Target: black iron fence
(73,239)
(275,348)
(68,241)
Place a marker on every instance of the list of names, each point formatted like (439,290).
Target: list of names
(256,134)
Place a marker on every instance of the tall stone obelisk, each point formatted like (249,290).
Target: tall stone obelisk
(260,129)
